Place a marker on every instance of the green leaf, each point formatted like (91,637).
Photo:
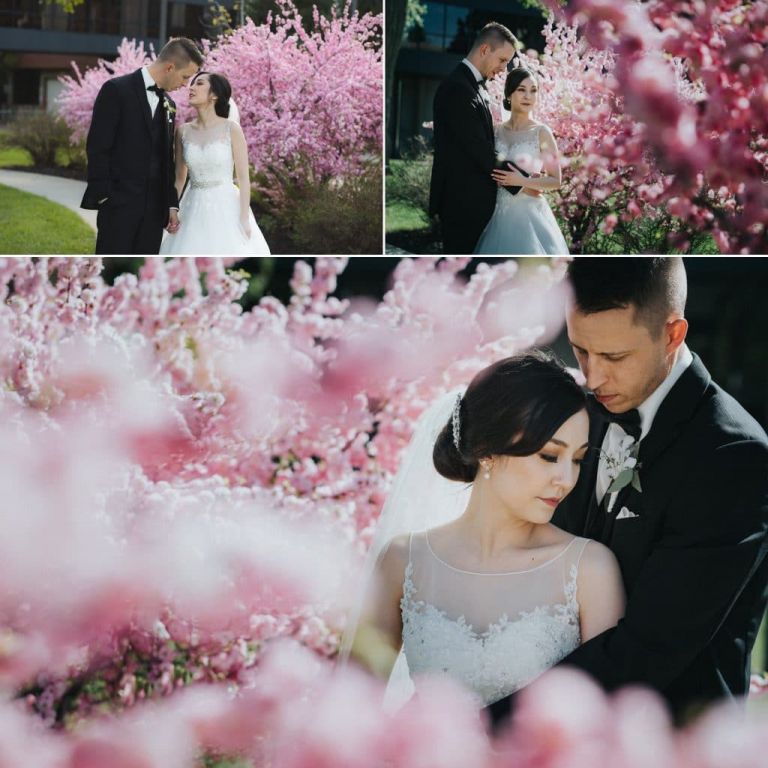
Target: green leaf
(636,482)
(623,479)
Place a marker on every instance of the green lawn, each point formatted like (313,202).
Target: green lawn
(32,224)
(402,217)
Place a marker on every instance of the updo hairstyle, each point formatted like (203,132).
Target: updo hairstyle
(514,78)
(221,89)
(512,408)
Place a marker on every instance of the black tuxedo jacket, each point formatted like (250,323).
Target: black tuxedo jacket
(693,559)
(462,191)
(119,146)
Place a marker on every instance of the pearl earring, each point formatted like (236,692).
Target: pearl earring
(487,473)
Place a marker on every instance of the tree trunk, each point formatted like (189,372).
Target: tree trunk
(395,27)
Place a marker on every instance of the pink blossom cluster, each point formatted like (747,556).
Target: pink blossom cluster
(692,77)
(295,711)
(201,478)
(309,97)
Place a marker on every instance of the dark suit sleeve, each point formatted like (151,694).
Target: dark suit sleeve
(173,195)
(713,540)
(462,116)
(101,138)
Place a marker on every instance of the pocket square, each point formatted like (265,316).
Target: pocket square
(625,513)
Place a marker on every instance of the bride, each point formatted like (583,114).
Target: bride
(523,223)
(215,215)
(496,595)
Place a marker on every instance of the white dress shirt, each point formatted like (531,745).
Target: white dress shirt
(152,98)
(473,69)
(615,434)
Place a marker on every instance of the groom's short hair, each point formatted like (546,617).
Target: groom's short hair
(655,287)
(494,34)
(181,51)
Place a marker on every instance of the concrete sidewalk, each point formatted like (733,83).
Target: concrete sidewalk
(66,192)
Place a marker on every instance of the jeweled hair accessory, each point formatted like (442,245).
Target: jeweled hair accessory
(456,422)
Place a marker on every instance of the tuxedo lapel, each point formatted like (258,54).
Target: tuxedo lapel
(594,522)
(675,411)
(141,95)
(476,87)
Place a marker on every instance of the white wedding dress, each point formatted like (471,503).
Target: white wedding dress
(521,224)
(492,632)
(209,210)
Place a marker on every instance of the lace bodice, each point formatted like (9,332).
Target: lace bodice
(208,154)
(524,147)
(493,632)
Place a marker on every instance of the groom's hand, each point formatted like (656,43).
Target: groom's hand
(173,221)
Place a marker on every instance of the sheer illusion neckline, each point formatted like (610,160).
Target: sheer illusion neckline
(200,129)
(519,130)
(498,573)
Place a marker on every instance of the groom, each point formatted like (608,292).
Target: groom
(130,153)
(462,192)
(688,523)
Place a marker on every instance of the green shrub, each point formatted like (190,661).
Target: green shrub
(73,156)
(333,218)
(408,179)
(649,235)
(41,134)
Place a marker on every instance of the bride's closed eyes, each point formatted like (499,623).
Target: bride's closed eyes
(553,458)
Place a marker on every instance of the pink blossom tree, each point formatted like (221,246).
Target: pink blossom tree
(693,79)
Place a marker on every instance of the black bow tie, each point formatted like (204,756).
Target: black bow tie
(482,81)
(159,91)
(629,421)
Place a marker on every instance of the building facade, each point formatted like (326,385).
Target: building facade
(431,50)
(39,41)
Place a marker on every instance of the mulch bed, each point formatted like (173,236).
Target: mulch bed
(67,173)
(417,241)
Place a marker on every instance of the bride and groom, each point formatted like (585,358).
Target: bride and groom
(487,180)
(622,533)
(138,163)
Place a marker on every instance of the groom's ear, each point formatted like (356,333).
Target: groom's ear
(675,331)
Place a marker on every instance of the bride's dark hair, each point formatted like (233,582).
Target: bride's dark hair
(221,89)
(514,78)
(512,407)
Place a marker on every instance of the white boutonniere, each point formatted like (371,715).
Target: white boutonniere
(170,108)
(623,468)
(501,157)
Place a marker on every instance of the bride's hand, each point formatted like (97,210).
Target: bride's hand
(173,221)
(508,178)
(245,225)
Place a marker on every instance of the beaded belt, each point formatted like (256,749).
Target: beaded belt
(206,184)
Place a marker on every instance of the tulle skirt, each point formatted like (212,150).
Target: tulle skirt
(210,224)
(522,225)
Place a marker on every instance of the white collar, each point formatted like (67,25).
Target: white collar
(147,77)
(473,69)
(651,404)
